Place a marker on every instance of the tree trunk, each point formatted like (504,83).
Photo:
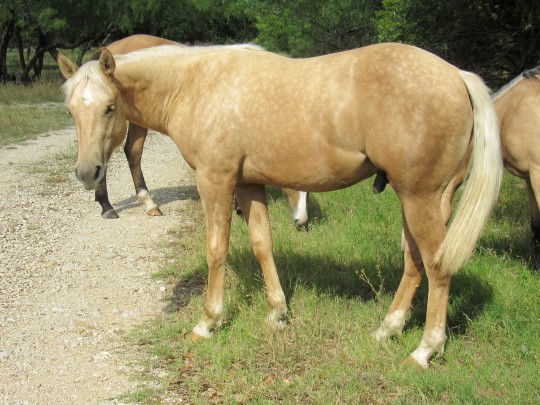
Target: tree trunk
(84,48)
(20,47)
(6,36)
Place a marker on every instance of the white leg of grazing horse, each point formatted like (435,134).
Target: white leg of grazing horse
(298,204)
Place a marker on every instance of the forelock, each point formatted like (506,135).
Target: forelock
(89,72)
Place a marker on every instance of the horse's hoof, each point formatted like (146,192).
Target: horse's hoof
(193,336)
(277,320)
(154,212)
(411,364)
(111,214)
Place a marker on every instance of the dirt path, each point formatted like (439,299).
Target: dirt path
(71,283)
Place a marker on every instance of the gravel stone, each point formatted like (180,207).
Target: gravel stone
(72,283)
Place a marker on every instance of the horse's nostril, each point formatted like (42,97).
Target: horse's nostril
(97,173)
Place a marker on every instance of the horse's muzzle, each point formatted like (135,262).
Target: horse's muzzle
(90,175)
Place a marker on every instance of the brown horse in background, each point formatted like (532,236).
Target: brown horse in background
(244,118)
(136,135)
(518,109)
(136,138)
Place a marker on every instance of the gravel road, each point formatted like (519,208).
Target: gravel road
(71,283)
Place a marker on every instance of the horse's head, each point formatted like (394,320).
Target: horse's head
(94,102)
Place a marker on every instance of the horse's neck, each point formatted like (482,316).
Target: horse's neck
(147,96)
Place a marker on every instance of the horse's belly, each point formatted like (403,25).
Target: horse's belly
(310,173)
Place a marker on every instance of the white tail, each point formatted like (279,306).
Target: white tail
(482,184)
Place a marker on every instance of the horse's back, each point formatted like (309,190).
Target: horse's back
(391,107)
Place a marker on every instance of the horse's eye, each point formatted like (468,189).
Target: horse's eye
(110,109)
(68,113)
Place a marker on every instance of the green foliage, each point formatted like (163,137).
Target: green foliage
(308,28)
(494,38)
(392,25)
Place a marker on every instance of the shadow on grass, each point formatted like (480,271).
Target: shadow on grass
(511,216)
(469,295)
(518,246)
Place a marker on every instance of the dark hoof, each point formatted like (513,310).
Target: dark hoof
(154,212)
(111,214)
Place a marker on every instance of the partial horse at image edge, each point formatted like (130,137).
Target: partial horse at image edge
(518,109)
(387,108)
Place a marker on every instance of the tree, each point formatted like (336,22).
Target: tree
(495,38)
(312,27)
(45,25)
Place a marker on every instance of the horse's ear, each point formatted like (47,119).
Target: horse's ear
(106,63)
(67,67)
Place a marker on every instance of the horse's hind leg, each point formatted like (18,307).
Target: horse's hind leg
(394,320)
(102,197)
(425,229)
(133,150)
(252,200)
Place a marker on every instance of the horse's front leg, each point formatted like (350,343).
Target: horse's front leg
(102,197)
(216,195)
(252,200)
(133,150)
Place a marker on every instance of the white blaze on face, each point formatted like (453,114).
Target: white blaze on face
(88,97)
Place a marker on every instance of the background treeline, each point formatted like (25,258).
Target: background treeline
(495,38)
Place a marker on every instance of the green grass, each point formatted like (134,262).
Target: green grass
(28,110)
(22,122)
(339,278)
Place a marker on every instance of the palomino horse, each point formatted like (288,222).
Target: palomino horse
(518,106)
(244,118)
(136,137)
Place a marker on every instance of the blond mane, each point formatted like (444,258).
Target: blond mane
(90,71)
(166,50)
(507,87)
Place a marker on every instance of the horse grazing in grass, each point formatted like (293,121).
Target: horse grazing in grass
(244,118)
(518,109)
(136,137)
